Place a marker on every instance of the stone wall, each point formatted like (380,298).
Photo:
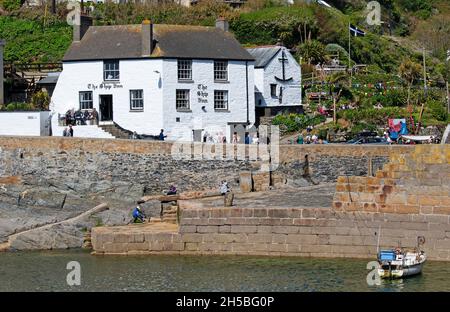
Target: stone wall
(113,166)
(418,183)
(283,232)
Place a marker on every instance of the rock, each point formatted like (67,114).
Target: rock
(245,181)
(228,199)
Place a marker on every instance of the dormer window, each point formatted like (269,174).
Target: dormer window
(111,71)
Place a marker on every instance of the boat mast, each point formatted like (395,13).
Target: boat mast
(378,240)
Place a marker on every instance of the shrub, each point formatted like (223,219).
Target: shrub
(436,110)
(295,122)
(16,106)
(11,5)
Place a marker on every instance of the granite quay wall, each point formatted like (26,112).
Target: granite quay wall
(133,168)
(417,183)
(281,232)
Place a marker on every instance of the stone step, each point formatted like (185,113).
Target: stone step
(155,220)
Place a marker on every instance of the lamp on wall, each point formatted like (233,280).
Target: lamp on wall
(204,109)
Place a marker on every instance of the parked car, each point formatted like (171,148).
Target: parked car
(368,140)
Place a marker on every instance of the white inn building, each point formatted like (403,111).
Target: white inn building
(187,80)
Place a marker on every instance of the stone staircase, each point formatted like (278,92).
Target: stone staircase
(115,130)
(168,215)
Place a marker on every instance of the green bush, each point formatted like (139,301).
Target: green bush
(373,116)
(17,106)
(295,122)
(11,5)
(436,110)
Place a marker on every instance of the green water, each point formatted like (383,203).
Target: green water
(46,271)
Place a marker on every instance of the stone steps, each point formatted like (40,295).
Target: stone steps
(115,131)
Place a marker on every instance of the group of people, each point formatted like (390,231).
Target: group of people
(80,117)
(68,132)
(310,139)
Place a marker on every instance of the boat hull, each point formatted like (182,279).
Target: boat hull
(403,272)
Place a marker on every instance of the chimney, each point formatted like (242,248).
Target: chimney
(80,30)
(2,99)
(147,37)
(222,23)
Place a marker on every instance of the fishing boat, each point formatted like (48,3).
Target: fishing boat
(397,263)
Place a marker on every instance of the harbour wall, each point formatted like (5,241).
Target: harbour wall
(132,168)
(305,232)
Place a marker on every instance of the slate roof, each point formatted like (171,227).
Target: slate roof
(263,55)
(173,41)
(52,78)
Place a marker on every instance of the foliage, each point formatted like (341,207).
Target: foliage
(11,5)
(31,41)
(313,52)
(40,100)
(372,115)
(18,106)
(295,122)
(436,110)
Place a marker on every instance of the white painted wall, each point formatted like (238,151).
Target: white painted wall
(134,74)
(24,123)
(292,93)
(159,81)
(210,120)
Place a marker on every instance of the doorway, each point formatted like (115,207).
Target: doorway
(106,107)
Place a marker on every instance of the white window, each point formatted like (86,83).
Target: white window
(111,70)
(182,100)
(86,100)
(220,100)
(136,100)
(184,69)
(221,70)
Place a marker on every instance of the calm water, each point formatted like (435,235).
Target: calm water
(46,271)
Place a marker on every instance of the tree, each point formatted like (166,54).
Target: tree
(312,51)
(410,72)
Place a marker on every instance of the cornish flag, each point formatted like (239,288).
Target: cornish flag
(356,32)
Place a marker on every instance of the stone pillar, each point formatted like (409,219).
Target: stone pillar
(245,181)
(2,99)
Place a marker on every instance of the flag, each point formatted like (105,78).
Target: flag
(448,55)
(356,32)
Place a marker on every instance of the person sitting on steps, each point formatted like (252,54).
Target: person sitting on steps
(172,190)
(138,215)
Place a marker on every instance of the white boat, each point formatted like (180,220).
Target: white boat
(398,263)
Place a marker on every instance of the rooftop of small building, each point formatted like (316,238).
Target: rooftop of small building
(264,54)
(171,41)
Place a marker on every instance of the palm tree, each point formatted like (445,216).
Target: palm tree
(410,72)
(312,51)
(333,80)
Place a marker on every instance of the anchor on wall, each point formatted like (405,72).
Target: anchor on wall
(283,60)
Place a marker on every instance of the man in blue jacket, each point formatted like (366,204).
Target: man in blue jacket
(138,215)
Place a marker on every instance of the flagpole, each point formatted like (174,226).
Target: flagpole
(349,53)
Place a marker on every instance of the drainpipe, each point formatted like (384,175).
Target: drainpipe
(246,88)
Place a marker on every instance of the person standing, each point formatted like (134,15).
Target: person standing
(235,138)
(70,131)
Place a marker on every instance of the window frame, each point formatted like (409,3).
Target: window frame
(273,90)
(224,100)
(114,70)
(220,71)
(134,108)
(82,101)
(182,71)
(184,108)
